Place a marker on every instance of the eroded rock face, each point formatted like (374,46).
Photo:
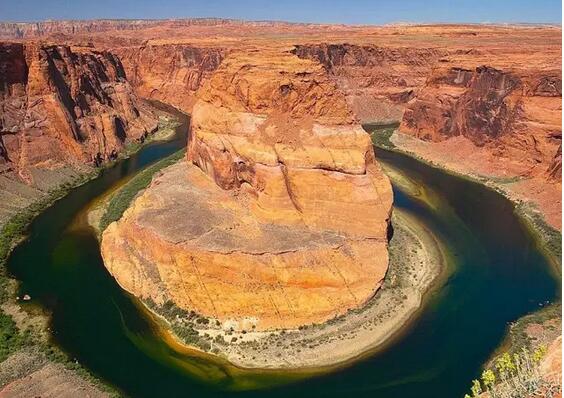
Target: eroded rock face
(378,81)
(515,112)
(555,169)
(60,107)
(280,217)
(169,73)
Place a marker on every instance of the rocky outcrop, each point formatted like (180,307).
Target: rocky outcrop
(516,113)
(60,107)
(280,216)
(169,73)
(378,81)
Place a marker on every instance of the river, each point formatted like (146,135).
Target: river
(497,276)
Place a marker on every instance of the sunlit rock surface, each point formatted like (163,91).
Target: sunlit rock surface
(279,217)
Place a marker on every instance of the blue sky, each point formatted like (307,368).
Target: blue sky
(333,11)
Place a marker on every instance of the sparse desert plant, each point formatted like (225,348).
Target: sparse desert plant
(515,376)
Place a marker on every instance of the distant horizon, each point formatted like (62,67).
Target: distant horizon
(335,12)
(164,19)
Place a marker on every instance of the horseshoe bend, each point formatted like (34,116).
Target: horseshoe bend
(215,207)
(279,215)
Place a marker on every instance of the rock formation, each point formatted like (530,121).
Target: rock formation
(169,73)
(279,219)
(555,169)
(517,113)
(378,81)
(59,107)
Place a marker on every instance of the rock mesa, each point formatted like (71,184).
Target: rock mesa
(280,215)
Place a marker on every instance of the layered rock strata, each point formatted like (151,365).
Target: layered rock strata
(377,81)
(60,107)
(280,216)
(515,113)
(169,73)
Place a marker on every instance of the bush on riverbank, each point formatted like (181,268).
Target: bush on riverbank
(549,239)
(11,339)
(515,376)
(518,338)
(183,323)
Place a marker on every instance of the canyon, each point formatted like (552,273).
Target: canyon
(62,112)
(279,217)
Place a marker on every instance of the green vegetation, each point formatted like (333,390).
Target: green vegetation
(182,323)
(122,198)
(14,229)
(515,376)
(165,130)
(10,337)
(381,134)
(548,238)
(518,339)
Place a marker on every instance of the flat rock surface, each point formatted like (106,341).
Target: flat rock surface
(187,240)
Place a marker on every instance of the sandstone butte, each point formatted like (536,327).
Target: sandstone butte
(280,216)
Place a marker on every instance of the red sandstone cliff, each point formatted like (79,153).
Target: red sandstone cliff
(517,113)
(378,81)
(169,73)
(61,107)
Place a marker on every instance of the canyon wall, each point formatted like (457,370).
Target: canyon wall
(516,112)
(378,81)
(169,73)
(60,107)
(280,216)
(32,30)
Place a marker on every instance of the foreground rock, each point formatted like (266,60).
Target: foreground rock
(280,219)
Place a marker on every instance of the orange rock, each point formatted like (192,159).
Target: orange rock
(551,365)
(61,107)
(515,113)
(169,73)
(280,219)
